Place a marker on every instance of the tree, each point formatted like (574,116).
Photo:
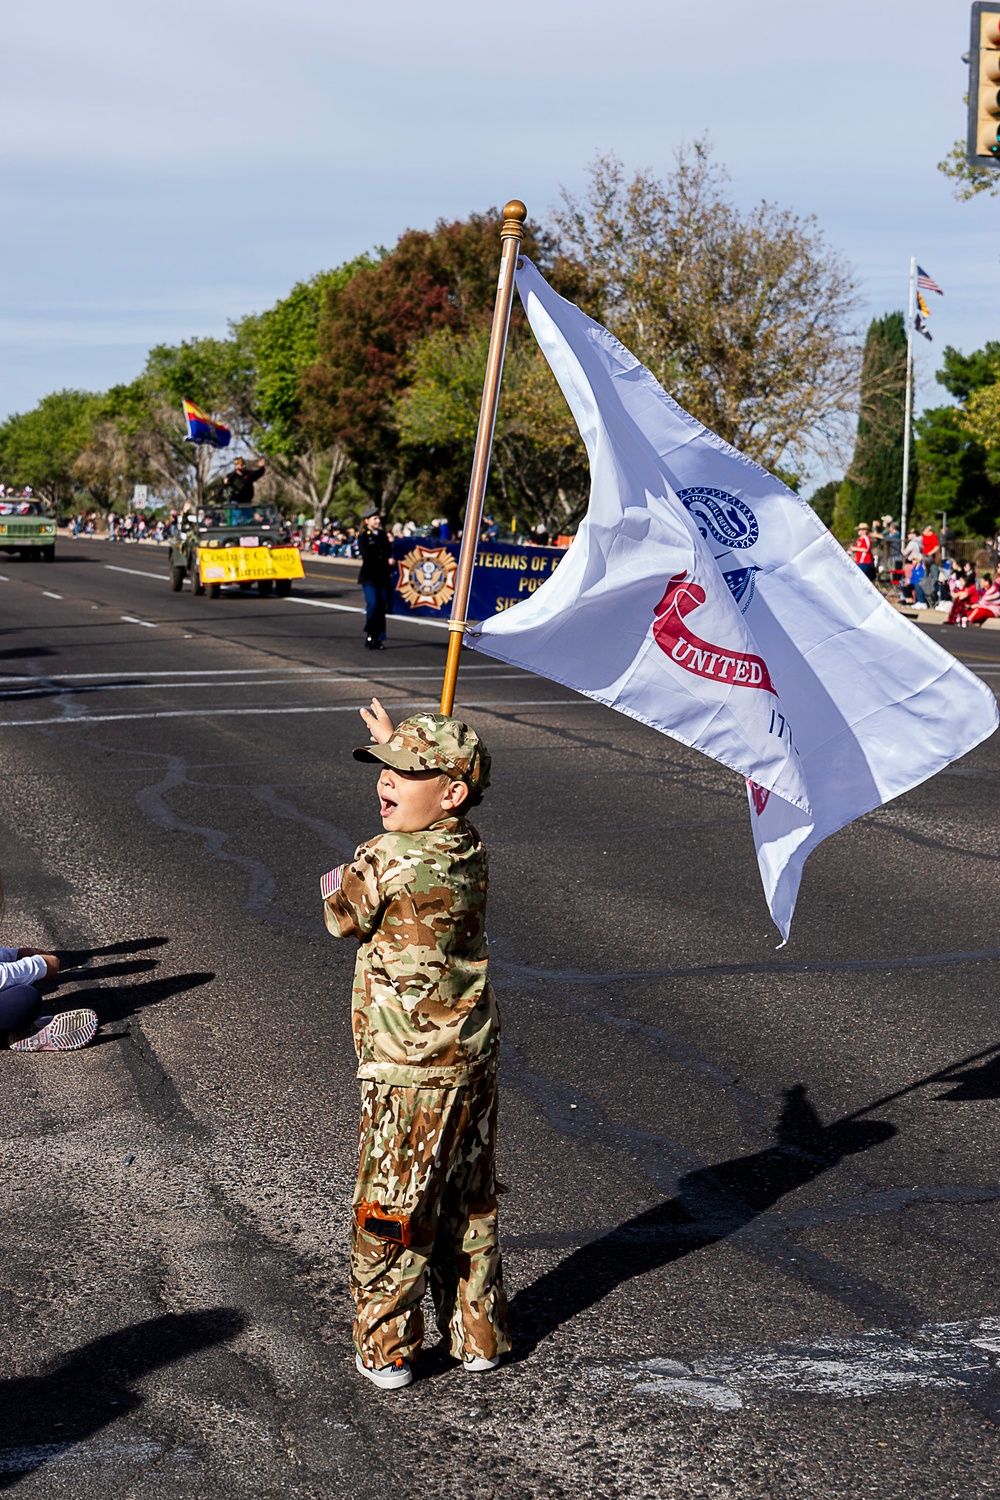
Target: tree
(969,180)
(106,465)
(39,447)
(874,482)
(282,343)
(214,373)
(430,281)
(961,374)
(743,317)
(539,465)
(824,500)
(958,467)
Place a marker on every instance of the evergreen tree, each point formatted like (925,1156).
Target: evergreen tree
(874,482)
(824,500)
(957,469)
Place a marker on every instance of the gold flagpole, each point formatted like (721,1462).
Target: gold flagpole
(511,235)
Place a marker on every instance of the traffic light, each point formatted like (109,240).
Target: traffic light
(983,147)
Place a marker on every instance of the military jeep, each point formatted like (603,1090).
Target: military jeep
(234,544)
(27,530)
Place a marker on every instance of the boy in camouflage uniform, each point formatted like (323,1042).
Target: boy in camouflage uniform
(426,1031)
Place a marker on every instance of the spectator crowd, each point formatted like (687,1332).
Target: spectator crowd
(924,572)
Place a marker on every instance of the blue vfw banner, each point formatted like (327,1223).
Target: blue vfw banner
(504,575)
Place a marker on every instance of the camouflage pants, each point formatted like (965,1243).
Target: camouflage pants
(429,1155)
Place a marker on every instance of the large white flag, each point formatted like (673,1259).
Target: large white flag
(705,598)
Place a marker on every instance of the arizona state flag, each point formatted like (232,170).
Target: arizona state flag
(201,428)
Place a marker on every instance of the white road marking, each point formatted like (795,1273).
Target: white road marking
(938,1356)
(50,595)
(134,620)
(355,609)
(4,578)
(137,573)
(246,672)
(163,687)
(319,708)
(347,609)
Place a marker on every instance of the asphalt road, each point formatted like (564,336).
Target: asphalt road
(734,1271)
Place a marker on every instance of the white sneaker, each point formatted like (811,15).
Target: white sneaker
(476,1363)
(389,1377)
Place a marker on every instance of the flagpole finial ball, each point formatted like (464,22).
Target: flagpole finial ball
(514,215)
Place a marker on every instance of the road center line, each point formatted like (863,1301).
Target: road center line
(50,595)
(134,620)
(137,573)
(160,687)
(487,704)
(310,672)
(355,609)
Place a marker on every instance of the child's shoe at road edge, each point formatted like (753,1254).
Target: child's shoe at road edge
(477,1363)
(66,1032)
(390,1377)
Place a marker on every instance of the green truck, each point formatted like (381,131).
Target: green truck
(27,530)
(234,544)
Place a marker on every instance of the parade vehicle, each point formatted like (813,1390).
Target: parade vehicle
(27,530)
(234,544)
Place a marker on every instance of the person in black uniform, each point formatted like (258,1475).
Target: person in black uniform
(238,485)
(375,577)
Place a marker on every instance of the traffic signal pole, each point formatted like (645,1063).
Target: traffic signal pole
(911,314)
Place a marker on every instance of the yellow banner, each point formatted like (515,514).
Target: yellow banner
(248,564)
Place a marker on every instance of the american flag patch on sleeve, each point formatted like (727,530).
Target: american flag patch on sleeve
(330,882)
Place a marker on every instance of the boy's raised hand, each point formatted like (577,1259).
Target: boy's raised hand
(379,725)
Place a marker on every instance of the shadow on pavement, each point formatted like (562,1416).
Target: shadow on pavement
(976,1083)
(711,1204)
(111,971)
(126,999)
(43,1415)
(71,957)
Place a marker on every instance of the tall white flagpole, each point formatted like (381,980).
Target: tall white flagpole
(909,401)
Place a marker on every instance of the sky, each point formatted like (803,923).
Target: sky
(166,169)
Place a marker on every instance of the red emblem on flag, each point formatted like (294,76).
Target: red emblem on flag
(758,796)
(672,635)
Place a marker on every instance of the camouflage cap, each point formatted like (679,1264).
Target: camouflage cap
(432,742)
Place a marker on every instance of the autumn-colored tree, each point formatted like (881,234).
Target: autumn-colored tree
(439,280)
(744,317)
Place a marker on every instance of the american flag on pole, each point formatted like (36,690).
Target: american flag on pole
(927,283)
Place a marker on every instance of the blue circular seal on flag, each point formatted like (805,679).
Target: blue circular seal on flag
(721,516)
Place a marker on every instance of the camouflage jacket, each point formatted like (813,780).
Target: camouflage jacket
(423,1009)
